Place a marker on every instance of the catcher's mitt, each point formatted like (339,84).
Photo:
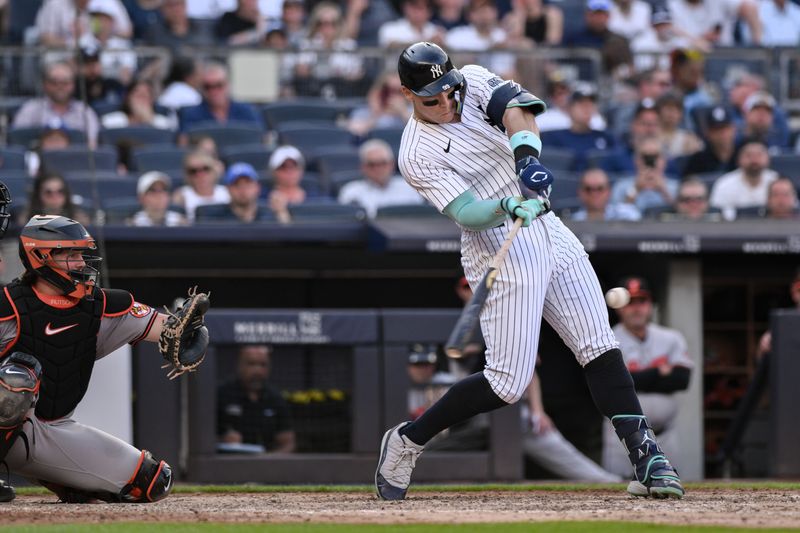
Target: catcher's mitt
(184,338)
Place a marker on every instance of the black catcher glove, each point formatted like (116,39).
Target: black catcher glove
(184,338)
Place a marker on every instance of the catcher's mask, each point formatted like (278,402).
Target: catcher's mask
(55,249)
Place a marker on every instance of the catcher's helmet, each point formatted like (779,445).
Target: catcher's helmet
(45,233)
(426,70)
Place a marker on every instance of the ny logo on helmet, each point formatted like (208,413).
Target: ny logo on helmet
(436,71)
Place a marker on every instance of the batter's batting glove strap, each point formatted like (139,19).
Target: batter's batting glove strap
(533,174)
(527,210)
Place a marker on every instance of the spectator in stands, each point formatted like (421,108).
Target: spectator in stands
(57,105)
(51,196)
(759,122)
(676,140)
(175,30)
(449,13)
(327,54)
(781,19)
(415,25)
(182,84)
(244,189)
(249,411)
(557,94)
(580,138)
(428,383)
(117,59)
(100,90)
(714,20)
(143,13)
(483,34)
(595,34)
(138,110)
(645,123)
(686,69)
(650,85)
(53,137)
(217,105)
(386,107)
(206,144)
(692,202)
(650,187)
(153,191)
(741,86)
(201,174)
(287,166)
(380,185)
(537,20)
(630,18)
(782,200)
(719,154)
(60,23)
(293,21)
(660,365)
(747,185)
(594,192)
(276,39)
(245,25)
(653,46)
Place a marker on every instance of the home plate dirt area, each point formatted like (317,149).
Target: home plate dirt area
(728,507)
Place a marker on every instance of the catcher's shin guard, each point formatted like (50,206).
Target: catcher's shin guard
(653,475)
(152,481)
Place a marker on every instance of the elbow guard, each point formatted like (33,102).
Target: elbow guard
(511,94)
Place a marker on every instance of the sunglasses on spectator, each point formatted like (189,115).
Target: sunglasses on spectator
(597,188)
(157,189)
(214,85)
(59,81)
(432,103)
(691,198)
(376,163)
(53,192)
(192,171)
(327,22)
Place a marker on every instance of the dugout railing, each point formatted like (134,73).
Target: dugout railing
(361,353)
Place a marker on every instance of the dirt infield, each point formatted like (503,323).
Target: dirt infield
(753,508)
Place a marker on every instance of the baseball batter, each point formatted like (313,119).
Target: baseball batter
(54,324)
(472,137)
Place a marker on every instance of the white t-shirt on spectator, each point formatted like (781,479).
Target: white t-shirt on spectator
(634,23)
(118,119)
(697,19)
(208,9)
(366,194)
(781,28)
(557,119)
(179,94)
(171,218)
(651,52)
(401,33)
(468,39)
(731,191)
(192,200)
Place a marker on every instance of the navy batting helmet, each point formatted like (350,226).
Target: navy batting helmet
(426,70)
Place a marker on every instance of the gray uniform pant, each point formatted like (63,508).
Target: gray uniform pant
(68,453)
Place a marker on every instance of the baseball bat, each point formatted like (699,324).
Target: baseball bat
(465,327)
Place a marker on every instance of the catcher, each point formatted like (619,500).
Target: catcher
(55,322)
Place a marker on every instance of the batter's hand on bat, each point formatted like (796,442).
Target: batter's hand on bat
(527,210)
(534,175)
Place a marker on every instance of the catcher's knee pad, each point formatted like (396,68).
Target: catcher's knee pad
(152,481)
(20,377)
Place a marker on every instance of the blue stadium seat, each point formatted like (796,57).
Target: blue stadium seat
(565,187)
(312,138)
(326,212)
(339,179)
(312,110)
(408,211)
(118,210)
(19,185)
(110,186)
(255,154)
(80,158)
(393,136)
(21,15)
(707,177)
(786,164)
(137,136)
(232,133)
(557,159)
(328,163)
(28,136)
(158,158)
(218,213)
(12,158)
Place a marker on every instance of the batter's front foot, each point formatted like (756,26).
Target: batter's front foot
(398,458)
(7,492)
(663,481)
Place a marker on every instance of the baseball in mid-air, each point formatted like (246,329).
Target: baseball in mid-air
(618,297)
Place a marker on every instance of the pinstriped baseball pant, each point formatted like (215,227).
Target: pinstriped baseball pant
(545,274)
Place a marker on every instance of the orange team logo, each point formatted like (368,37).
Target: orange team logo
(140,310)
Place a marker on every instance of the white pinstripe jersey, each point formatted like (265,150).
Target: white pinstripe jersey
(478,155)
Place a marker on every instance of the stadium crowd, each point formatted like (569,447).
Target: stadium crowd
(654,133)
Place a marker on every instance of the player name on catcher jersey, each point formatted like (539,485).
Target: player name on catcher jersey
(441,161)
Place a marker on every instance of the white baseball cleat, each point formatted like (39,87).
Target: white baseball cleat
(397,461)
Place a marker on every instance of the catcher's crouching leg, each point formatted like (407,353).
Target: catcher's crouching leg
(152,481)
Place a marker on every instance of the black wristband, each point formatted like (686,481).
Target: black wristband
(524,150)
